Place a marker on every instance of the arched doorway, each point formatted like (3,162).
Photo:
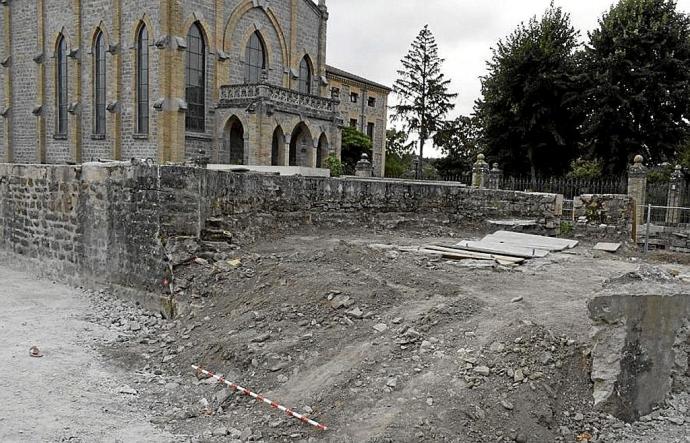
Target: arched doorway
(233,142)
(322,151)
(301,144)
(278,148)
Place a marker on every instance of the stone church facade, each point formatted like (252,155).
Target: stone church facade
(241,81)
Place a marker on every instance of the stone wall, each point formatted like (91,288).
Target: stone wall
(109,222)
(607,216)
(248,204)
(98,222)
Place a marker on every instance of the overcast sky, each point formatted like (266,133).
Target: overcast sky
(369,37)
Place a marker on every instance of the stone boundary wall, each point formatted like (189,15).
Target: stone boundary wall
(249,204)
(604,216)
(90,223)
(108,223)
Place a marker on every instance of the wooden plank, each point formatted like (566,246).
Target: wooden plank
(607,247)
(473,254)
(461,256)
(536,240)
(502,249)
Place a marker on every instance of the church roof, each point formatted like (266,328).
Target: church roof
(330,70)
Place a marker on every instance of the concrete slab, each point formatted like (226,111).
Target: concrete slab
(534,241)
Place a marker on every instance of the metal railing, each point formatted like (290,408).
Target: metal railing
(662,221)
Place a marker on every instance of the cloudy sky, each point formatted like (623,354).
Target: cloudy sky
(369,37)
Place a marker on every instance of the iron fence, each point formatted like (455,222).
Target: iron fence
(568,187)
(465,179)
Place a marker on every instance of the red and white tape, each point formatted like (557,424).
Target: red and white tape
(258,397)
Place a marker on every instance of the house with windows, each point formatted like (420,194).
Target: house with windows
(364,106)
(241,81)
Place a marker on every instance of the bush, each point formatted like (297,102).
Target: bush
(587,169)
(335,165)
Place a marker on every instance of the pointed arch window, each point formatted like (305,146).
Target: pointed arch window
(142,75)
(61,86)
(195,80)
(305,76)
(99,88)
(254,59)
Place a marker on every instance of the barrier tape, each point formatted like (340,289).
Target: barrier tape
(260,398)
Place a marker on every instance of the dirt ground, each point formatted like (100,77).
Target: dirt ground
(72,393)
(378,344)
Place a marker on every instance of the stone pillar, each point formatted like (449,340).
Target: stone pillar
(293,63)
(311,153)
(74,109)
(637,189)
(40,60)
(7,74)
(363,167)
(480,173)
(115,91)
(675,196)
(171,118)
(321,61)
(286,150)
(495,177)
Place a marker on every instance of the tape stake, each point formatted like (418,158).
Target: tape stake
(261,398)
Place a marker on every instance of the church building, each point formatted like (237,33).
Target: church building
(244,82)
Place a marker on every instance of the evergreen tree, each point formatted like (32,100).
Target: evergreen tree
(638,95)
(529,110)
(422,90)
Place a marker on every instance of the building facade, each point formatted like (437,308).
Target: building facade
(240,81)
(364,105)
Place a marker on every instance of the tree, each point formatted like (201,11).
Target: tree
(398,153)
(354,144)
(638,96)
(529,111)
(460,142)
(422,90)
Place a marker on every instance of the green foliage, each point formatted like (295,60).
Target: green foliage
(683,158)
(398,153)
(354,144)
(460,142)
(566,228)
(638,88)
(661,173)
(335,165)
(588,169)
(422,89)
(529,111)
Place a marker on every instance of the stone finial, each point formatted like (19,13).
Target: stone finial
(637,169)
(481,159)
(495,168)
(480,172)
(677,173)
(363,167)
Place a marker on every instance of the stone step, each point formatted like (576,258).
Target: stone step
(216,235)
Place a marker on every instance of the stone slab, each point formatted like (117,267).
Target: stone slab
(607,247)
(529,240)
